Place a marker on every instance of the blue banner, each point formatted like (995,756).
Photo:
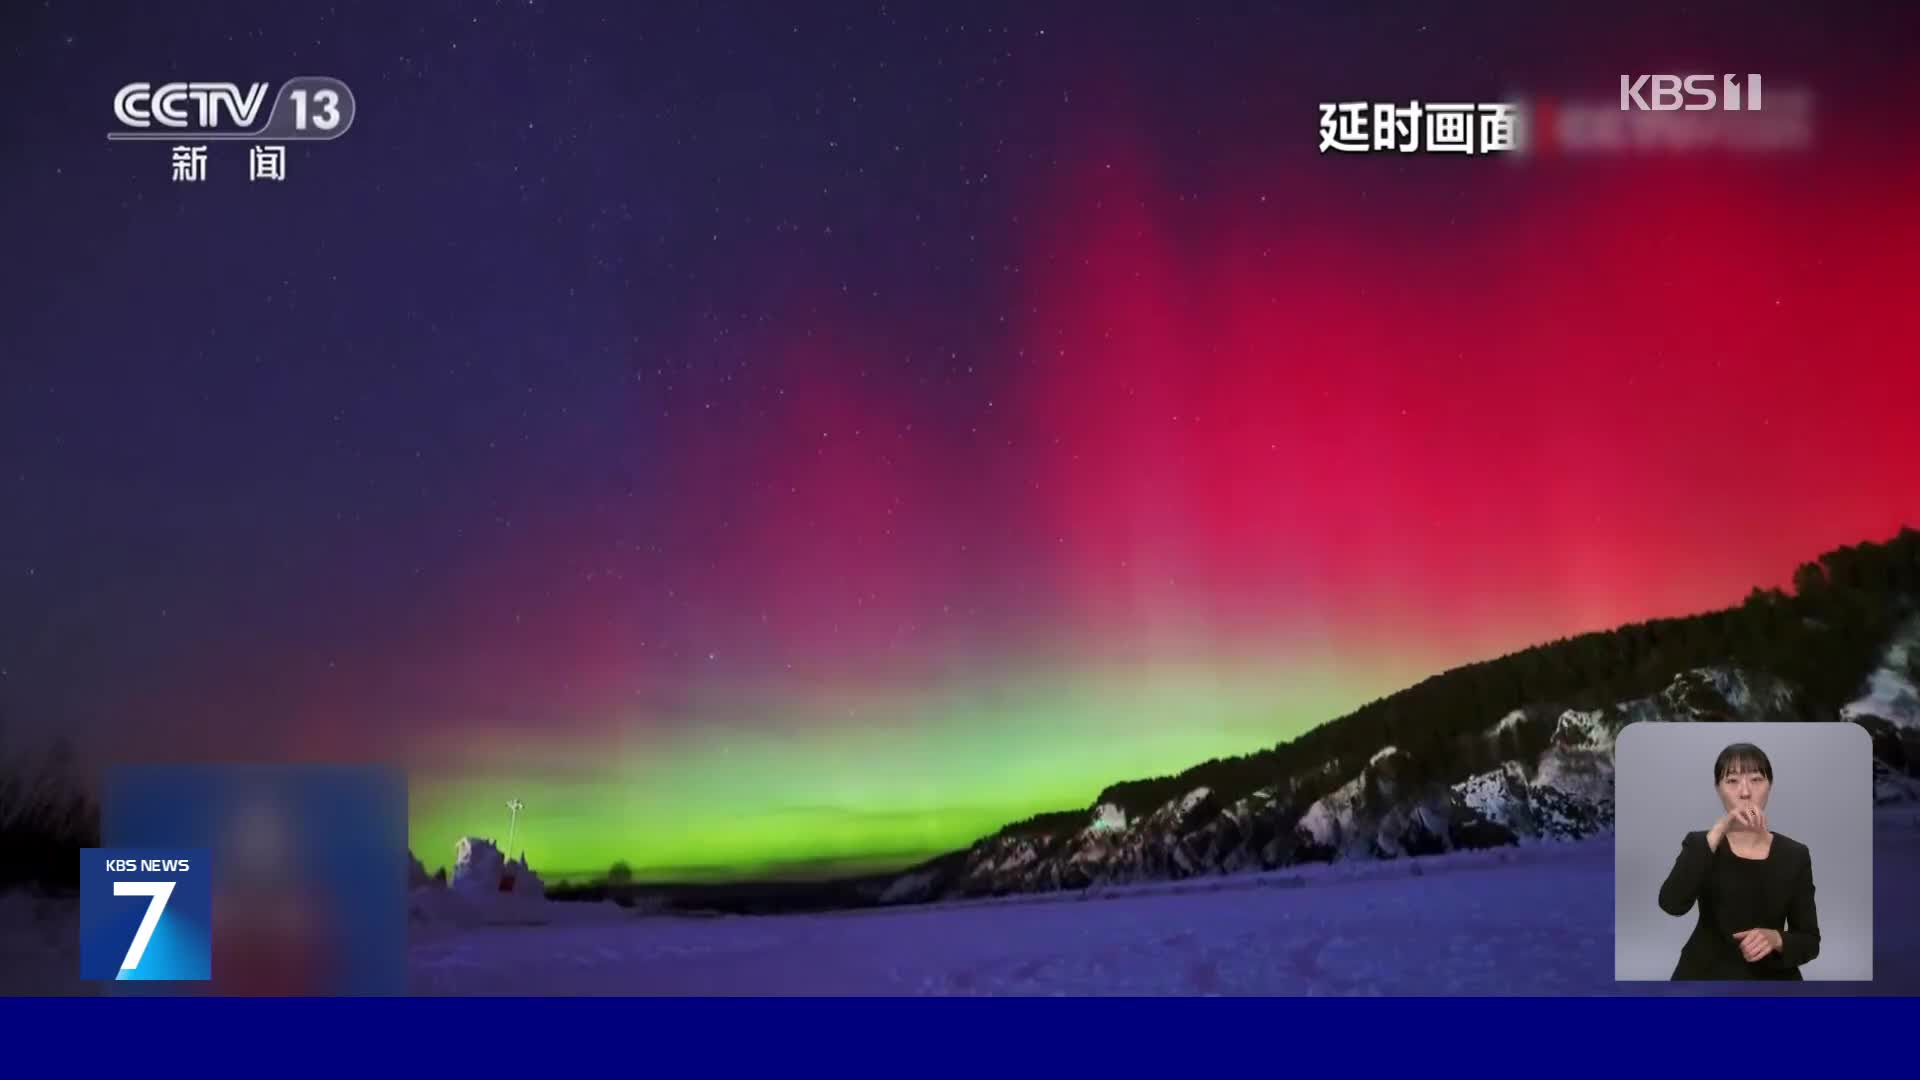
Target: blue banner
(1015,1037)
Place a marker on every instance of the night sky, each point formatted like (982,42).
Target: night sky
(776,437)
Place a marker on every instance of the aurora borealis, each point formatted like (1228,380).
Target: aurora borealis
(771,445)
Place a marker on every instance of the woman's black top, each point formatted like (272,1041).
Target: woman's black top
(1735,894)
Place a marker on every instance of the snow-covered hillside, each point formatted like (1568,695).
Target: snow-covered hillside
(1392,804)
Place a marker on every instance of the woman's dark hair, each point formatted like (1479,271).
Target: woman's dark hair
(1742,755)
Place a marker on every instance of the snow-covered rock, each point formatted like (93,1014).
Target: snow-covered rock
(1728,693)
(1193,799)
(1890,693)
(1583,729)
(909,888)
(1498,795)
(1108,818)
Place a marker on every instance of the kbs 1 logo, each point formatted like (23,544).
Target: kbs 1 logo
(146,914)
(1692,93)
(307,108)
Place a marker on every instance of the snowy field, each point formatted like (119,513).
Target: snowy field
(1533,920)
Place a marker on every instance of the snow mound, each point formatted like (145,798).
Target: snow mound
(479,869)
(486,889)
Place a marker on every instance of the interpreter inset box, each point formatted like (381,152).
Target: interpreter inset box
(1743,852)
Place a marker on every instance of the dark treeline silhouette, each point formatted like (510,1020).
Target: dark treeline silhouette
(46,817)
(1823,639)
(729,898)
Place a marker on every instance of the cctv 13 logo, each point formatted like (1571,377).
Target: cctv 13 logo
(146,913)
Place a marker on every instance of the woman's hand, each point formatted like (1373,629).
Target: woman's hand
(1758,944)
(1740,819)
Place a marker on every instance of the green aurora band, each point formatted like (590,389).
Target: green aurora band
(879,785)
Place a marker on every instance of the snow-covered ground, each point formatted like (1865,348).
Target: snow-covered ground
(1532,920)
(40,946)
